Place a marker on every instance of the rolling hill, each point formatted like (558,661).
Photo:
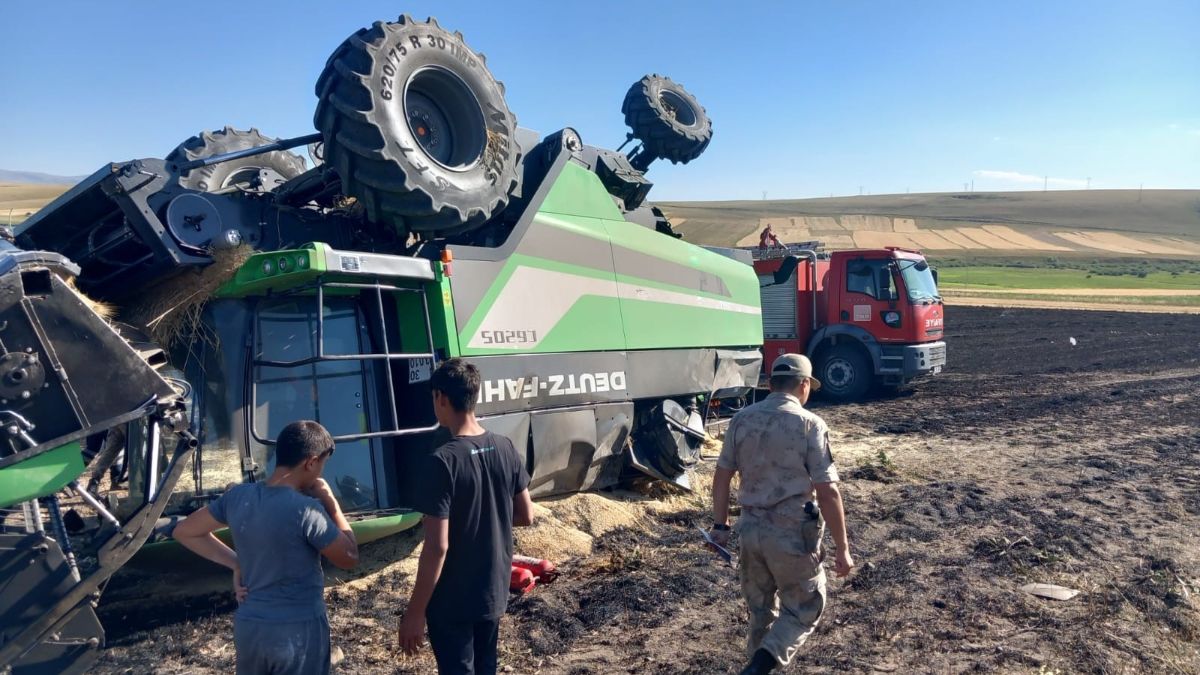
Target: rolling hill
(1095,223)
(33,177)
(1104,223)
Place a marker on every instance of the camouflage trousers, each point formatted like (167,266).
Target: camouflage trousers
(783,584)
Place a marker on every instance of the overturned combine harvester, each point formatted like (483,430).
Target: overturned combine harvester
(250,292)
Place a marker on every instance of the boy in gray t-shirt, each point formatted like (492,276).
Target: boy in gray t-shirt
(280,528)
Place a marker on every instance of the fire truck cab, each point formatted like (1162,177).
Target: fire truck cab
(864,316)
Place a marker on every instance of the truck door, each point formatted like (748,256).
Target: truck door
(870,299)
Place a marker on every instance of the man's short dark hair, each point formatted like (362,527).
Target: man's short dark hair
(299,441)
(785,382)
(458,381)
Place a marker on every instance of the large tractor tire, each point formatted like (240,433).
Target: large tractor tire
(417,128)
(257,173)
(670,122)
(845,373)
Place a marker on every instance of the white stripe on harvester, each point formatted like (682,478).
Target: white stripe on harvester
(534,300)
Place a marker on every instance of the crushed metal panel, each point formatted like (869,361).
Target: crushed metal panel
(514,427)
(614,422)
(564,443)
(736,371)
(640,463)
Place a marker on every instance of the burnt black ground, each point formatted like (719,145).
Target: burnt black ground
(1029,460)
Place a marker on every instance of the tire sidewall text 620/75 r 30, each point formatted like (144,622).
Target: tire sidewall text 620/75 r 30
(417,128)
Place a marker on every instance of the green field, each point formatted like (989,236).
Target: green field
(988,277)
(1135,301)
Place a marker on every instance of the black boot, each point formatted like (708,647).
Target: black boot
(761,663)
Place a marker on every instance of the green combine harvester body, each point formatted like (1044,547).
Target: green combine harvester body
(576,321)
(250,292)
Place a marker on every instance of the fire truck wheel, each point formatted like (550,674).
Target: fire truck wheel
(845,373)
(417,128)
(256,173)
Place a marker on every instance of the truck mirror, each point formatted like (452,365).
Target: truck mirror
(786,269)
(884,283)
(933,271)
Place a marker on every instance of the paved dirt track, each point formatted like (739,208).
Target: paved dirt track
(1031,459)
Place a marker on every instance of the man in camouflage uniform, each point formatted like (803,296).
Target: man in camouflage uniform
(782,452)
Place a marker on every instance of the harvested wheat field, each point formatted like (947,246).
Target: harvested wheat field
(20,200)
(1101,223)
(868,231)
(1023,240)
(933,240)
(1007,469)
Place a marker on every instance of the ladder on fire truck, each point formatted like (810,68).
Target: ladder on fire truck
(785,250)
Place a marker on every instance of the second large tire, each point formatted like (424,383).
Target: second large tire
(668,120)
(256,173)
(417,128)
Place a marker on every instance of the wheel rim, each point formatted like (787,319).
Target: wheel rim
(256,176)
(678,108)
(445,117)
(839,374)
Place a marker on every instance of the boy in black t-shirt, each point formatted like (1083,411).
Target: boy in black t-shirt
(472,490)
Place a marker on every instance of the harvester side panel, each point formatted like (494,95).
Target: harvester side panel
(675,294)
(574,282)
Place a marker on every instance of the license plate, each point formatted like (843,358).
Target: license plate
(419,370)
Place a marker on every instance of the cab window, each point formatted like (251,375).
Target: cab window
(331,392)
(865,276)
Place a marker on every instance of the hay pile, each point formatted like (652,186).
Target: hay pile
(566,527)
(170,311)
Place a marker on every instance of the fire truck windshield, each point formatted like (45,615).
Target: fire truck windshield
(918,280)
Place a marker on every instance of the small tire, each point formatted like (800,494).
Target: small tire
(260,173)
(845,373)
(669,121)
(417,128)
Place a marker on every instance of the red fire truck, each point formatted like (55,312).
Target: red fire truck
(864,316)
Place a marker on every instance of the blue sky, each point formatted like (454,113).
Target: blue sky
(807,99)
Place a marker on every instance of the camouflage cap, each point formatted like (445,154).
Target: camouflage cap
(795,364)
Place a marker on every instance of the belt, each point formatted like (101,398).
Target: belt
(789,518)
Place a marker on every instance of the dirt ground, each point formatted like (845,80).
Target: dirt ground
(1031,459)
